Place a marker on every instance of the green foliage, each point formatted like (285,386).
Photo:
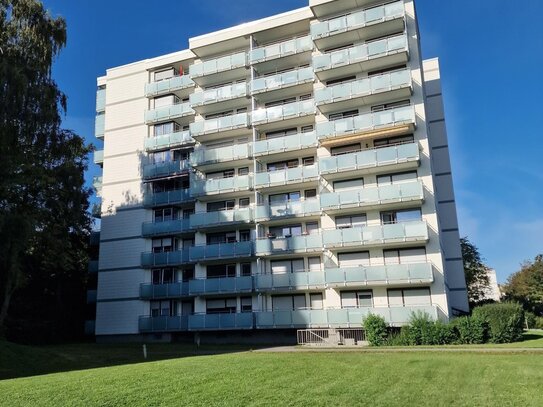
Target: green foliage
(470,330)
(400,338)
(538,323)
(475,271)
(505,321)
(423,330)
(529,319)
(375,328)
(526,286)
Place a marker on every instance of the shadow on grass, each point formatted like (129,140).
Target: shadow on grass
(23,361)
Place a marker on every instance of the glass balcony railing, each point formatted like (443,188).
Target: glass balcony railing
(297,280)
(168,140)
(407,191)
(199,322)
(170,85)
(366,122)
(364,87)
(205,219)
(224,285)
(296,244)
(101,100)
(165,169)
(391,273)
(375,234)
(280,49)
(99,125)
(282,80)
(209,96)
(221,251)
(288,176)
(163,323)
(287,143)
(167,197)
(360,53)
(168,112)
(283,112)
(167,227)
(371,158)
(357,20)
(221,185)
(165,259)
(99,156)
(171,290)
(225,123)
(217,65)
(292,208)
(203,155)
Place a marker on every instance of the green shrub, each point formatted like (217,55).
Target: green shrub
(538,323)
(470,330)
(505,321)
(400,338)
(423,330)
(529,319)
(376,329)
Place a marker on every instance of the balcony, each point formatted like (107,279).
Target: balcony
(206,156)
(364,57)
(404,232)
(284,112)
(221,251)
(225,285)
(373,196)
(99,125)
(178,196)
(292,143)
(171,85)
(93,266)
(372,22)
(379,275)
(287,176)
(290,244)
(165,169)
(168,141)
(101,100)
(402,155)
(169,227)
(280,50)
(231,93)
(226,126)
(367,91)
(309,207)
(221,69)
(301,280)
(398,119)
(200,322)
(99,157)
(149,291)
(283,80)
(174,258)
(163,323)
(168,113)
(204,220)
(213,186)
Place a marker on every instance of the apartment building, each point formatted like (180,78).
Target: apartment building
(287,173)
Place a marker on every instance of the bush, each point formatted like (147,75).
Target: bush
(505,321)
(538,323)
(425,331)
(376,329)
(529,319)
(400,338)
(470,330)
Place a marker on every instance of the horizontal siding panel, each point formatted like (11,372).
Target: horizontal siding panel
(122,253)
(121,317)
(121,284)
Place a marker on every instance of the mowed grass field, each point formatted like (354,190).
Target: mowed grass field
(247,378)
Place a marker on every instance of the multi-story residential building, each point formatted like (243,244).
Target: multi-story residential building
(288,173)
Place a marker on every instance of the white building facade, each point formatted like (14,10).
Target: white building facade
(288,173)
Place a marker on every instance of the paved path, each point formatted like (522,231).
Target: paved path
(283,349)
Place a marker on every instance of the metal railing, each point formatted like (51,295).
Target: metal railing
(331,337)
(225,123)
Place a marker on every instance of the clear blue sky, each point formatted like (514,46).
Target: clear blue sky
(491,65)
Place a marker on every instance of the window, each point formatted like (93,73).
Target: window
(163,245)
(221,306)
(353,259)
(221,237)
(163,308)
(171,184)
(220,174)
(245,269)
(167,100)
(163,75)
(277,199)
(349,148)
(187,213)
(244,202)
(187,274)
(328,50)
(406,215)
(351,221)
(315,301)
(356,299)
(393,105)
(246,304)
(187,307)
(385,70)
(310,193)
(280,102)
(288,302)
(281,133)
(287,266)
(282,165)
(188,242)
(405,256)
(307,129)
(243,171)
(244,235)
(163,276)
(305,97)
(286,231)
(396,178)
(314,263)
(343,115)
(221,270)
(221,205)
(308,161)
(341,80)
(349,184)
(220,114)
(165,215)
(312,228)
(165,128)
(405,297)
(392,141)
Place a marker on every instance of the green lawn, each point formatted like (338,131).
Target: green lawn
(240,378)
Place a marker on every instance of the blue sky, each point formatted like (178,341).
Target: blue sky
(491,64)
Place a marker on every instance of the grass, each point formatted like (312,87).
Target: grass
(240,378)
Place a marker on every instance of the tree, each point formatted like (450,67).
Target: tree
(44,222)
(526,286)
(475,271)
